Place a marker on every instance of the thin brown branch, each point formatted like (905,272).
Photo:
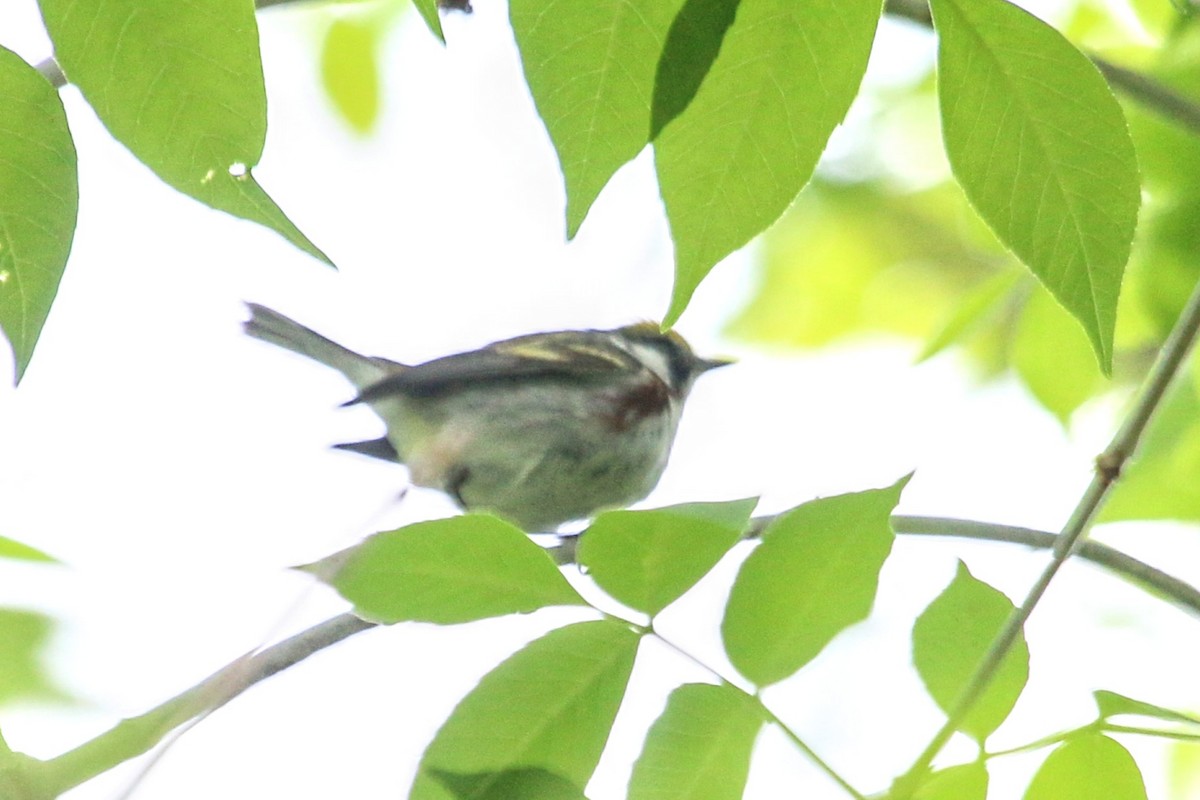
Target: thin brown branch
(1154,580)
(1108,469)
(135,736)
(138,735)
(1161,584)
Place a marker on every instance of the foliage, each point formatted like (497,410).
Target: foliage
(1024,245)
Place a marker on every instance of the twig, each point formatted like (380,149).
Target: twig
(137,735)
(1154,580)
(52,72)
(1179,592)
(1108,469)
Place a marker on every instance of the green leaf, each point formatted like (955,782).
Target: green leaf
(951,637)
(1160,482)
(180,85)
(350,71)
(1086,768)
(813,576)
(40,191)
(528,783)
(1112,704)
(689,52)
(23,639)
(550,706)
(19,551)
(446,571)
(1052,357)
(699,749)
(962,782)
(734,160)
(1041,148)
(647,559)
(428,9)
(591,69)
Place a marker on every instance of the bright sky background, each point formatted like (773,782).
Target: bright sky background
(179,468)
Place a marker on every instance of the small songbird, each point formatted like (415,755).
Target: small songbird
(540,429)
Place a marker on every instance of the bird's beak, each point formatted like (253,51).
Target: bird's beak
(705,364)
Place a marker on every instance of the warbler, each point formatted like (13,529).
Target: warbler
(539,429)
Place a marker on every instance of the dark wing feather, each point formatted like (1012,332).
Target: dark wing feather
(579,355)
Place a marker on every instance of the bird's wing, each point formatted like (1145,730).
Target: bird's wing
(569,354)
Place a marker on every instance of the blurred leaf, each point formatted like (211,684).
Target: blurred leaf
(972,312)
(1112,704)
(549,707)
(1086,768)
(591,69)
(23,638)
(1165,268)
(1097,27)
(647,559)
(530,783)
(699,748)
(962,782)
(734,160)
(446,571)
(1156,16)
(849,259)
(19,551)
(40,192)
(180,85)
(1042,150)
(428,9)
(814,575)
(951,637)
(1052,357)
(1160,483)
(350,71)
(1183,771)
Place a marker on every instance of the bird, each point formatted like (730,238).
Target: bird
(541,429)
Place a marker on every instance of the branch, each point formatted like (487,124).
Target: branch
(1108,469)
(137,735)
(1179,592)
(1138,87)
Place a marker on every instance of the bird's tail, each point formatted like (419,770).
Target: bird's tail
(271,326)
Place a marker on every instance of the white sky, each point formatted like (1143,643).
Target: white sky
(178,468)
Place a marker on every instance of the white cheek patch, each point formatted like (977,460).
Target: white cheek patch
(654,358)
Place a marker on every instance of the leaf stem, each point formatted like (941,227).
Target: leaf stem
(1182,736)
(1108,469)
(1038,744)
(1098,726)
(770,715)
